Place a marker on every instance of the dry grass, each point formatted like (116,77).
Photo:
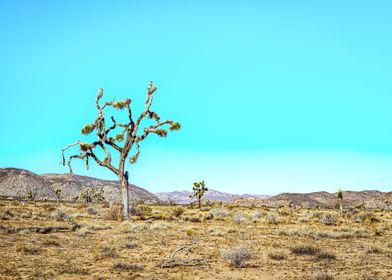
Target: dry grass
(76,241)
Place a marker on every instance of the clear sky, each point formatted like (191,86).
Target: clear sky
(273,96)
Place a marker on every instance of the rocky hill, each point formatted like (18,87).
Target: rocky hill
(367,198)
(19,182)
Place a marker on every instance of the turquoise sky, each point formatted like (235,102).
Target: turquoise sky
(273,96)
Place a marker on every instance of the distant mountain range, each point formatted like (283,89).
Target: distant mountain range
(369,199)
(16,182)
(182,197)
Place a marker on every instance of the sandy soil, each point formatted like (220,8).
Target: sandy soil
(45,240)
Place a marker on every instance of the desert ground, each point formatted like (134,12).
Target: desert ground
(49,240)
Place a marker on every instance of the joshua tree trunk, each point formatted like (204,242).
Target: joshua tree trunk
(199,201)
(125,196)
(341,206)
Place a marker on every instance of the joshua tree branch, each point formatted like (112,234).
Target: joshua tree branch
(134,158)
(81,156)
(153,128)
(103,163)
(64,149)
(150,90)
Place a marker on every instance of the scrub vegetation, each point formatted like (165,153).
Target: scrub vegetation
(64,240)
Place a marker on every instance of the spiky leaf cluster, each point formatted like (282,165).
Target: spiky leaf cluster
(84,146)
(199,189)
(339,195)
(87,129)
(119,137)
(121,104)
(58,193)
(161,132)
(154,116)
(175,126)
(133,159)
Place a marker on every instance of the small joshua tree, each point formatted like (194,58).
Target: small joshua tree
(339,195)
(198,191)
(127,133)
(90,195)
(58,195)
(32,194)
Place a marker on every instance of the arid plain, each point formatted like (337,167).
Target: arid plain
(49,240)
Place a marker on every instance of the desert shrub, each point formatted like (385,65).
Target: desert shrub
(208,216)
(217,232)
(91,211)
(277,255)
(137,227)
(317,214)
(114,213)
(230,206)
(341,233)
(107,252)
(219,213)
(178,211)
(240,218)
(81,207)
(160,226)
(365,217)
(283,212)
(140,210)
(271,219)
(98,227)
(6,215)
(83,232)
(27,249)
(51,242)
(193,218)
(256,216)
(129,246)
(298,231)
(59,215)
(48,207)
(237,255)
(305,249)
(328,219)
(304,218)
(127,267)
(325,255)
(371,249)
(26,215)
(323,276)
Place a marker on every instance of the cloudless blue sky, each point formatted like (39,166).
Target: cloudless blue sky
(273,96)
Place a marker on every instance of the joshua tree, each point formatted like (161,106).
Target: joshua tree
(339,195)
(127,133)
(90,195)
(57,192)
(32,194)
(198,191)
